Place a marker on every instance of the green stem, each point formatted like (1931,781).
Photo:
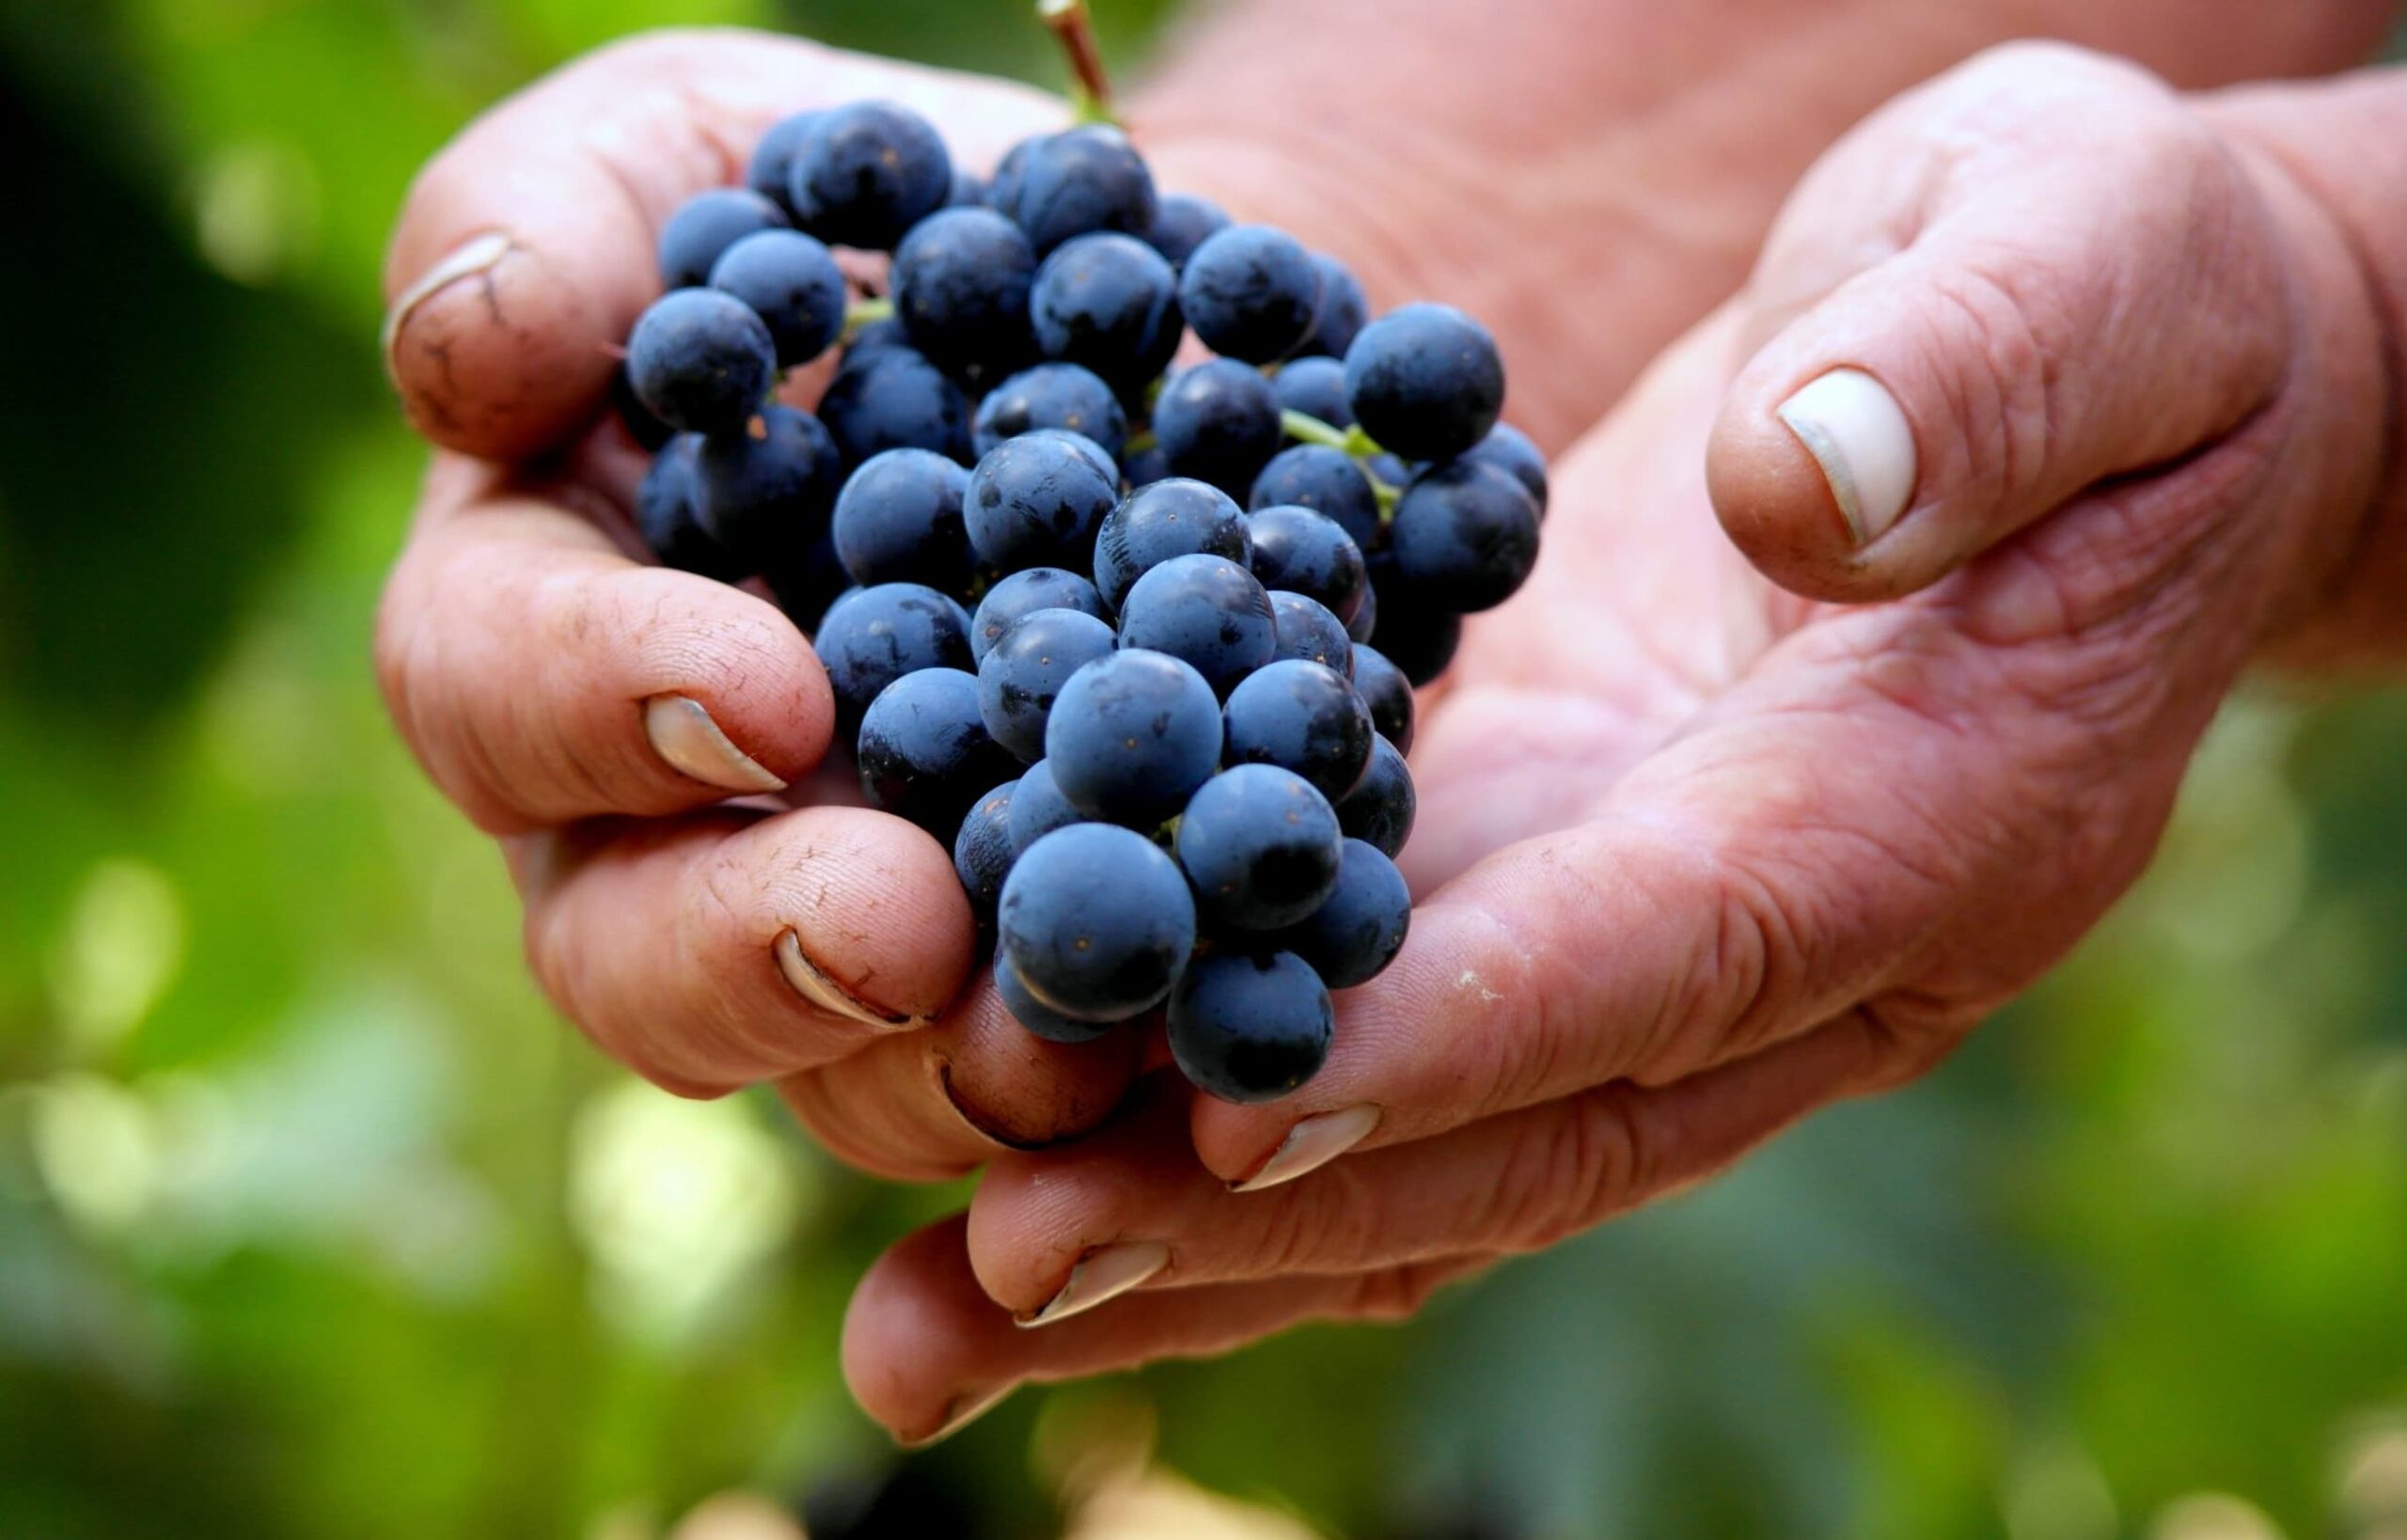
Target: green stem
(1308,429)
(1386,497)
(1360,445)
(864,312)
(1141,440)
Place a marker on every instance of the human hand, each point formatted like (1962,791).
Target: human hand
(595,712)
(1701,847)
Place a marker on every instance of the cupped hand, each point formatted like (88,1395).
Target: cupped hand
(1831,719)
(598,714)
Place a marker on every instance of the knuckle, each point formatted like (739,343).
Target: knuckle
(1398,1294)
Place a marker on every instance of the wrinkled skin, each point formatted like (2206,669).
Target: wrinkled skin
(1697,855)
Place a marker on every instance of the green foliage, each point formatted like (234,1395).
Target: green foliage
(314,1221)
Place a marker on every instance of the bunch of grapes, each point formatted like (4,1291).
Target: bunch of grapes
(1163,733)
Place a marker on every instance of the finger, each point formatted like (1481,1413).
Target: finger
(929,1105)
(541,676)
(926,1352)
(713,951)
(1050,1234)
(525,249)
(2041,271)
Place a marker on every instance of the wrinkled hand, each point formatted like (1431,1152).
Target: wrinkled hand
(1698,855)
(593,711)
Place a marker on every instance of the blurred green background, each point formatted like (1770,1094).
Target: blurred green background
(314,1223)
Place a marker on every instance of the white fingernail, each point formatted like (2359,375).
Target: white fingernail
(470,257)
(683,733)
(1104,1274)
(825,993)
(1311,1144)
(1859,435)
(963,1411)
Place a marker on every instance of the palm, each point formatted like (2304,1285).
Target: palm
(1639,612)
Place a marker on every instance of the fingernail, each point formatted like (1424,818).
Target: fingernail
(1311,1144)
(1106,1273)
(827,994)
(683,733)
(473,256)
(1859,435)
(958,1414)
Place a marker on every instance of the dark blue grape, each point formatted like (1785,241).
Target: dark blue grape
(1352,937)
(871,637)
(765,492)
(898,520)
(1218,422)
(1207,611)
(1103,462)
(981,851)
(1035,1014)
(1344,308)
(1002,188)
(1387,694)
(792,284)
(1025,592)
(1108,302)
(1053,396)
(1301,717)
(1038,808)
(1308,632)
(1425,381)
(701,361)
(666,518)
(1183,222)
(1508,449)
(806,584)
(1022,674)
(1131,736)
(866,338)
(1260,845)
(968,190)
(1326,481)
(1297,548)
(1145,466)
(1087,178)
(1418,632)
(1249,1025)
(1388,470)
(1250,291)
(1466,534)
(864,173)
(704,225)
(1097,923)
(1380,807)
(1315,386)
(961,281)
(1173,518)
(647,431)
(771,170)
(1035,502)
(890,397)
(1366,620)
(925,753)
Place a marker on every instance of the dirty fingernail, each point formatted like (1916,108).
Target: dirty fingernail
(683,733)
(1101,1275)
(1311,1144)
(470,257)
(1858,433)
(814,985)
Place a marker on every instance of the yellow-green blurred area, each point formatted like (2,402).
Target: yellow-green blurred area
(315,1222)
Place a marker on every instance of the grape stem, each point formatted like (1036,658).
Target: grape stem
(1090,86)
(1307,429)
(864,312)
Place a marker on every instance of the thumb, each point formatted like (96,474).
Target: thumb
(2035,272)
(525,249)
